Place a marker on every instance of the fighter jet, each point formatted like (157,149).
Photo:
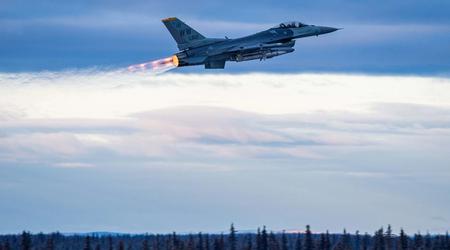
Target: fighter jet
(196,49)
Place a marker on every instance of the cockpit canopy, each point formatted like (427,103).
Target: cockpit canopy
(290,25)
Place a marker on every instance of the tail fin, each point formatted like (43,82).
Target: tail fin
(181,32)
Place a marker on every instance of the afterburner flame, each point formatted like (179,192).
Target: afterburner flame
(175,60)
(157,66)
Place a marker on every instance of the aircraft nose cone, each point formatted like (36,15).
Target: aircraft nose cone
(325,30)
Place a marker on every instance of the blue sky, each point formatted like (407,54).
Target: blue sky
(401,37)
(351,130)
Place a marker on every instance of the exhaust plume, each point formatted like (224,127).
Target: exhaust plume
(157,66)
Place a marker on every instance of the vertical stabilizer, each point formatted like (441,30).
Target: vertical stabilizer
(181,32)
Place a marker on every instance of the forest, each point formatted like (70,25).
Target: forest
(262,239)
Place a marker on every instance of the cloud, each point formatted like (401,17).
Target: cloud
(73,165)
(89,116)
(146,144)
(114,94)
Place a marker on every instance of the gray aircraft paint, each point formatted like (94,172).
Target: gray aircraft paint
(195,49)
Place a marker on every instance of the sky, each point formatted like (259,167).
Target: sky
(395,37)
(351,130)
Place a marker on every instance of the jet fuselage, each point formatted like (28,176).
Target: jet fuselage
(196,49)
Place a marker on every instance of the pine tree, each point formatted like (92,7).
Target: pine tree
(273,242)
(357,241)
(327,241)
(428,241)
(110,243)
(232,238)
(439,243)
(379,243)
(7,245)
(346,244)
(87,243)
(121,245)
(177,243)
(50,245)
(207,242)
(26,241)
(447,241)
(284,241)
(298,242)
(145,245)
(309,243)
(40,238)
(388,238)
(167,242)
(249,245)
(97,247)
(418,241)
(200,242)
(216,244)
(181,245)
(366,241)
(264,240)
(258,239)
(403,240)
(157,243)
(191,243)
(222,242)
(322,242)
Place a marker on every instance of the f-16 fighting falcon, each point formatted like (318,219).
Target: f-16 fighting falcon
(196,49)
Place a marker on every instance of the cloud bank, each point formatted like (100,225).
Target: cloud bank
(385,136)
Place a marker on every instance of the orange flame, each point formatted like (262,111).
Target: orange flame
(157,66)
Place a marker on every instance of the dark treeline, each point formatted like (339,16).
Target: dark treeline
(261,240)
